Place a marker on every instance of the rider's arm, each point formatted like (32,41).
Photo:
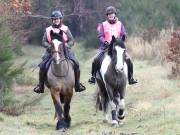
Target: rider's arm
(123,33)
(45,43)
(70,38)
(100,33)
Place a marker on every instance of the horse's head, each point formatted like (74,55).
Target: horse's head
(57,46)
(117,53)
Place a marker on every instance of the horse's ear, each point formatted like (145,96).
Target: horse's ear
(51,34)
(110,49)
(113,39)
(111,45)
(60,32)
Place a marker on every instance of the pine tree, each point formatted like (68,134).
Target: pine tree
(7,71)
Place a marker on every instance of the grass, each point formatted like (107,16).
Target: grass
(152,106)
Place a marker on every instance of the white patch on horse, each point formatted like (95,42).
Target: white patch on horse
(126,72)
(104,65)
(105,120)
(122,104)
(120,61)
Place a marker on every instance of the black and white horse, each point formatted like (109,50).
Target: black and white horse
(112,80)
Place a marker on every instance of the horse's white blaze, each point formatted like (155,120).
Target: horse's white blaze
(56,44)
(56,47)
(104,65)
(120,62)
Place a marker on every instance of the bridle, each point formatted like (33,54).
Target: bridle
(59,63)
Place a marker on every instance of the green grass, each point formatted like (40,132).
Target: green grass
(152,106)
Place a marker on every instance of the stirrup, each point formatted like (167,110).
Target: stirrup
(38,89)
(80,88)
(92,80)
(132,81)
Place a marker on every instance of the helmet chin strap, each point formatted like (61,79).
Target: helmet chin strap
(112,21)
(56,25)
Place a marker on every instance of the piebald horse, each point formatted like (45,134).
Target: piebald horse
(60,81)
(112,80)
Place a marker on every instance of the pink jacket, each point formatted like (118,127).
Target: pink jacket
(106,30)
(64,28)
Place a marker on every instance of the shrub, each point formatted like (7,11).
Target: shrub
(173,55)
(91,41)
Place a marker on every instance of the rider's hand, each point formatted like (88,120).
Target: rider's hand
(67,45)
(49,48)
(106,44)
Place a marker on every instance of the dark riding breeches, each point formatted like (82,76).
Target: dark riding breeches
(72,57)
(46,61)
(96,64)
(130,66)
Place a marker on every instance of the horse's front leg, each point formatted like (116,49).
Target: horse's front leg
(121,105)
(58,109)
(113,105)
(104,102)
(67,117)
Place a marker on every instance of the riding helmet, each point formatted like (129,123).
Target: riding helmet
(111,10)
(56,14)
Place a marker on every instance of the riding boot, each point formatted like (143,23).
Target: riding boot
(130,72)
(40,87)
(96,66)
(92,80)
(78,86)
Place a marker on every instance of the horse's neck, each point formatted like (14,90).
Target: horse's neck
(61,68)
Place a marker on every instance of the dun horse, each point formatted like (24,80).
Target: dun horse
(111,80)
(61,81)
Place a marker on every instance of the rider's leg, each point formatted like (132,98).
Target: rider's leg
(96,64)
(42,74)
(130,70)
(40,87)
(78,86)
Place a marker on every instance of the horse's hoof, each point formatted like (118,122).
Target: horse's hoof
(60,125)
(114,123)
(62,130)
(67,123)
(121,123)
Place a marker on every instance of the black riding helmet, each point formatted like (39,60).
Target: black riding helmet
(111,10)
(56,14)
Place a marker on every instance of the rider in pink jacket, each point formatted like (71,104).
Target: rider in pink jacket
(111,27)
(56,26)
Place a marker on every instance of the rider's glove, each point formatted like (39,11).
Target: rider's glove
(106,44)
(67,45)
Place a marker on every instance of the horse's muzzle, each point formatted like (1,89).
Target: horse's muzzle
(119,70)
